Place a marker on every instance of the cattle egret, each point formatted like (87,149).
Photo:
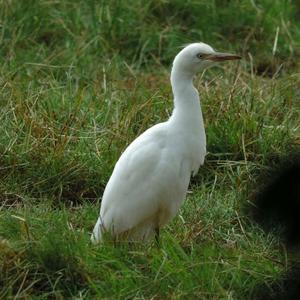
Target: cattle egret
(150,180)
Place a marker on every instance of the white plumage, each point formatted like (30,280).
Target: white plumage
(150,180)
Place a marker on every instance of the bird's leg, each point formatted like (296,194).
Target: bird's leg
(115,243)
(157,236)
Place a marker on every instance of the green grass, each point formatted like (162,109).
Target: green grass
(79,80)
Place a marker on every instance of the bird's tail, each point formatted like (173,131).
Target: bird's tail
(96,237)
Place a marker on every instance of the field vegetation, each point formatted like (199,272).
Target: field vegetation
(79,80)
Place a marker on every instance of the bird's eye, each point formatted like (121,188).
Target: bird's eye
(200,55)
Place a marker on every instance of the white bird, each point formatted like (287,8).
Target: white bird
(150,180)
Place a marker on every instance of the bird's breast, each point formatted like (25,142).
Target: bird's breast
(192,148)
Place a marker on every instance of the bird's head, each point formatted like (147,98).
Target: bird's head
(198,56)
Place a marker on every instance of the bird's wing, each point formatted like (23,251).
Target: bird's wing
(139,181)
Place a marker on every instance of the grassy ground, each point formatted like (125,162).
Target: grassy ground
(80,80)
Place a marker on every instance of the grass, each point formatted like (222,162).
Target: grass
(79,81)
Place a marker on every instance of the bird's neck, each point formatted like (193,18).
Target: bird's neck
(187,109)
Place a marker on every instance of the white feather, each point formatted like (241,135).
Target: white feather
(150,180)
